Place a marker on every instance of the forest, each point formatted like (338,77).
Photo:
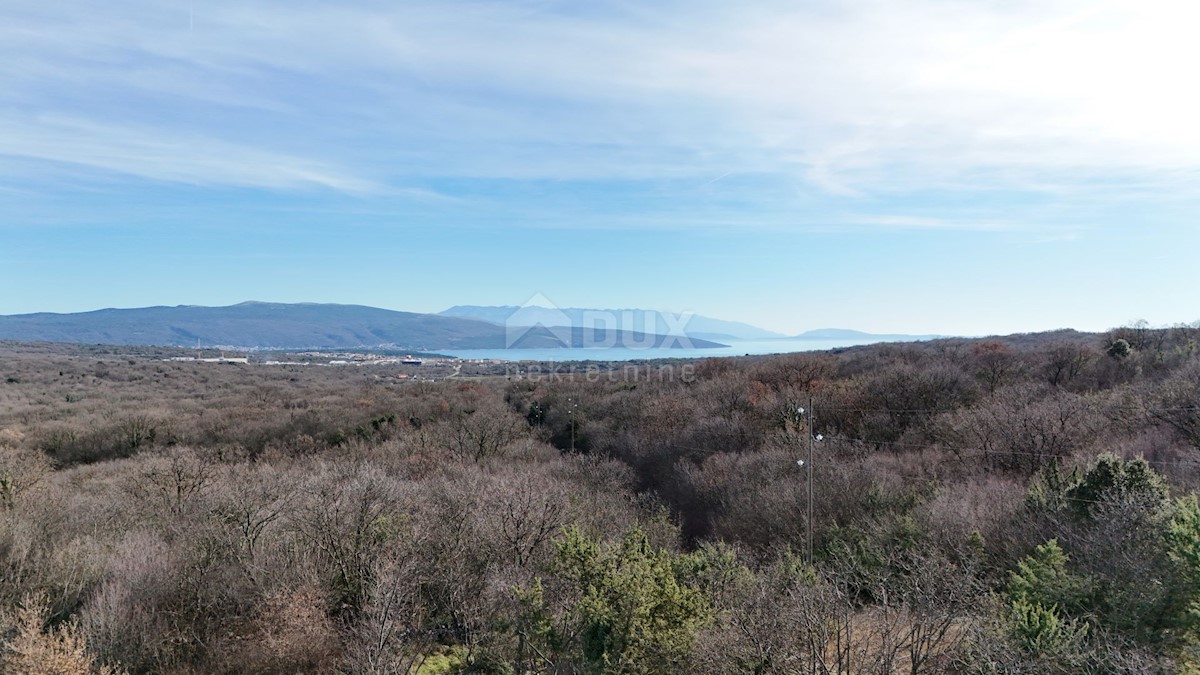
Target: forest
(1024,504)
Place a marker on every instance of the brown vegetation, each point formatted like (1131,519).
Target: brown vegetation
(198,518)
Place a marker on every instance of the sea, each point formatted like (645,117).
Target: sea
(737,348)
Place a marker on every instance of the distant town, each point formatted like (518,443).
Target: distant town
(436,368)
(421,368)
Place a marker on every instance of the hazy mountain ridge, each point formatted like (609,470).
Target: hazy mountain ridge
(850,334)
(632,319)
(695,326)
(293,326)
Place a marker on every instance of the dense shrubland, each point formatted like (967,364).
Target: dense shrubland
(1008,505)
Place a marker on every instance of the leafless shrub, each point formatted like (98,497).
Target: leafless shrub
(778,622)
(20,470)
(122,620)
(348,517)
(1063,363)
(172,484)
(1176,404)
(252,502)
(292,633)
(474,434)
(30,649)
(1022,427)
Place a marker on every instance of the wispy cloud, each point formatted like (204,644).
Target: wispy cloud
(165,156)
(853,100)
(925,223)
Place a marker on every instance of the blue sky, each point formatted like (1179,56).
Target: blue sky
(925,166)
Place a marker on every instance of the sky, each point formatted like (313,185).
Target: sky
(928,166)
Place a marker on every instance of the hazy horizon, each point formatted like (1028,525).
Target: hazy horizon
(930,167)
(783,336)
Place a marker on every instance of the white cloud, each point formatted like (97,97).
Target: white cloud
(924,223)
(853,98)
(165,156)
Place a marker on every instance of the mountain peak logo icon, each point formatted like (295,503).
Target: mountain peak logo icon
(538,322)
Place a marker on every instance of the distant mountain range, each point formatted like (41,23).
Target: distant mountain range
(264,325)
(693,326)
(847,334)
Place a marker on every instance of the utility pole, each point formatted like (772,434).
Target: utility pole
(805,415)
(811,440)
(571,413)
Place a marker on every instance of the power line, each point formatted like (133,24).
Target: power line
(1098,408)
(965,452)
(959,450)
(975,451)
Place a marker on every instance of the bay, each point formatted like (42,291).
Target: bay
(738,348)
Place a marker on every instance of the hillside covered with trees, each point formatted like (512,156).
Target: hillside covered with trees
(1015,505)
(276,325)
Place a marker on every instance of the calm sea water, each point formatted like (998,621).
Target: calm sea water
(740,348)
